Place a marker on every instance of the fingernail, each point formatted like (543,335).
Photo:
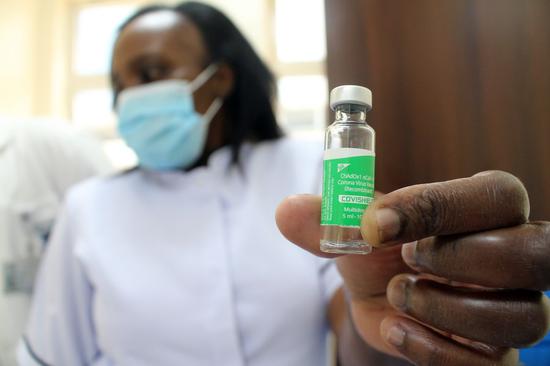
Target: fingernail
(389,224)
(408,253)
(396,336)
(397,295)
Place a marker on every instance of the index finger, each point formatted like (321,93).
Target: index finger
(485,201)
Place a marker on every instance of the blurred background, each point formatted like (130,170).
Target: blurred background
(55,60)
(459,86)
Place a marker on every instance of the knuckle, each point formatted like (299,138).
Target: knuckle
(541,318)
(534,335)
(536,311)
(427,212)
(426,302)
(539,254)
(435,205)
(425,254)
(435,355)
(438,254)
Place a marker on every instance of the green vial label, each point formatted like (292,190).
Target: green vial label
(348,186)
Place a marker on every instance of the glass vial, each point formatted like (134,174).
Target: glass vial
(348,173)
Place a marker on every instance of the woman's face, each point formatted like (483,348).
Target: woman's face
(165,45)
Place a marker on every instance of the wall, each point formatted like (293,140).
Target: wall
(459,86)
(32,64)
(35,41)
(16,71)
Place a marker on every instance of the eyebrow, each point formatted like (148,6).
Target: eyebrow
(137,60)
(144,58)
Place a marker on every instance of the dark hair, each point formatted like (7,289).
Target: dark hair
(250,104)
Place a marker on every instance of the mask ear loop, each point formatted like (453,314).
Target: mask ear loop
(212,110)
(199,81)
(203,77)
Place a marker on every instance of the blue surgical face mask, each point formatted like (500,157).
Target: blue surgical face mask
(159,122)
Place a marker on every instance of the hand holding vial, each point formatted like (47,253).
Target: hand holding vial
(456,273)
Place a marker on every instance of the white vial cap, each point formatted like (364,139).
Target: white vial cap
(351,94)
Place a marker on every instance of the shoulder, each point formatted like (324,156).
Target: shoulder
(49,132)
(288,165)
(55,143)
(105,188)
(287,149)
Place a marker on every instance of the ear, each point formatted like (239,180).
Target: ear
(223,80)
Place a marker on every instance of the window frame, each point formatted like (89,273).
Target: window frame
(78,83)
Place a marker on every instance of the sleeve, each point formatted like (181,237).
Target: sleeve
(67,155)
(331,280)
(60,329)
(75,156)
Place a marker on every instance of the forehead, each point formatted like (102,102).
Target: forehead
(162,32)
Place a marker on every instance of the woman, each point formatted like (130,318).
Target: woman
(178,261)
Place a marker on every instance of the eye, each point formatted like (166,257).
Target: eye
(150,73)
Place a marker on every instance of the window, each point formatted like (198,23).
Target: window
(95,35)
(300,64)
(303,100)
(300,29)
(95,30)
(91,99)
(288,34)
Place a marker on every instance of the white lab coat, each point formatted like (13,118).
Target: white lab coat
(39,161)
(170,268)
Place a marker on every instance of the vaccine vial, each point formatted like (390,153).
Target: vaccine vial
(348,171)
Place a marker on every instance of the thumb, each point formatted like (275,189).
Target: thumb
(298,218)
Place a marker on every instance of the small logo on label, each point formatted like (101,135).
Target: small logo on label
(342,166)
(344,198)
